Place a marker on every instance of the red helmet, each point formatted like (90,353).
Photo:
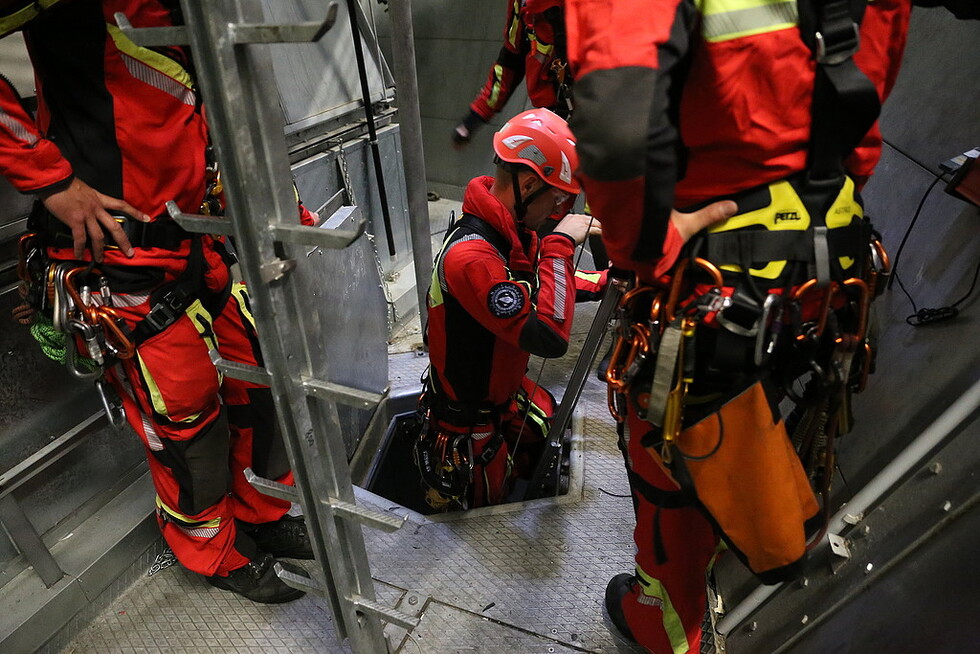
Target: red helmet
(541,140)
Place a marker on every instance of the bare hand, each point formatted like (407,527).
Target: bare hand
(689,224)
(83,210)
(579,226)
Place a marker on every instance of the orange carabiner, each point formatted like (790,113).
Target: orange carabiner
(829,293)
(23,249)
(114,335)
(678,277)
(863,307)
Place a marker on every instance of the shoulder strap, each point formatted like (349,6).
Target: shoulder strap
(845,102)
(470,224)
(14,14)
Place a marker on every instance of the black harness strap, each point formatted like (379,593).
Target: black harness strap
(161,233)
(761,245)
(471,224)
(170,301)
(845,102)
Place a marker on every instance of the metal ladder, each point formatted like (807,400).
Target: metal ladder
(235,74)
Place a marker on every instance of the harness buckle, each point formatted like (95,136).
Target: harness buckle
(167,309)
(830,51)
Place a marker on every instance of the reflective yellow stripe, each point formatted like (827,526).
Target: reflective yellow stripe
(672,622)
(724,20)
(515,26)
(588,277)
(543,48)
(239,293)
(435,288)
(201,320)
(156,398)
(11,22)
(154,60)
(180,517)
(498,76)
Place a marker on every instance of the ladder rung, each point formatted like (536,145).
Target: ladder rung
(383,521)
(298,581)
(384,613)
(346,395)
(197,223)
(152,36)
(270,487)
(296,33)
(334,239)
(242,371)
(276,269)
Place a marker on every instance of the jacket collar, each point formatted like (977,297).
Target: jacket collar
(479,201)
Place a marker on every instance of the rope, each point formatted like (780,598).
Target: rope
(54,343)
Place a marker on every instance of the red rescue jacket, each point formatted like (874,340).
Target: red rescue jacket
(678,102)
(136,129)
(528,52)
(488,314)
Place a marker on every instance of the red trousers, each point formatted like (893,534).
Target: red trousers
(200,429)
(667,607)
(525,429)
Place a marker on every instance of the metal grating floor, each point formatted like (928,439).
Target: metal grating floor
(525,578)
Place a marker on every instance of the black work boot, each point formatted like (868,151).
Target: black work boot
(257,581)
(612,613)
(286,538)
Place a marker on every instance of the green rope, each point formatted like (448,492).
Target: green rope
(52,343)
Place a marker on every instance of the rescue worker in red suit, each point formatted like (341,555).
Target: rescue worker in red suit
(120,128)
(499,293)
(533,50)
(708,105)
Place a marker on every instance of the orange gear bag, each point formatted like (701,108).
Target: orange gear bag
(750,481)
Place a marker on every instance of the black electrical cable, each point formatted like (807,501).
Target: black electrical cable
(927,316)
(908,231)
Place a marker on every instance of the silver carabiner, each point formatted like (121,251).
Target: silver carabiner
(113,407)
(767,333)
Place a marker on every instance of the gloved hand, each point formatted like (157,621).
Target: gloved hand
(467,127)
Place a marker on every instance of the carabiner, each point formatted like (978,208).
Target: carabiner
(863,306)
(678,277)
(765,347)
(829,293)
(114,410)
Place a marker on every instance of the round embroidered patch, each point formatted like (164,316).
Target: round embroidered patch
(505,300)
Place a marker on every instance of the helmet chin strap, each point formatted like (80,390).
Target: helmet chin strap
(520,204)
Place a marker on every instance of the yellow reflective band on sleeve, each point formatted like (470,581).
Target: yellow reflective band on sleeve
(498,76)
(588,277)
(724,20)
(652,588)
(154,60)
(19,18)
(785,212)
(515,26)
